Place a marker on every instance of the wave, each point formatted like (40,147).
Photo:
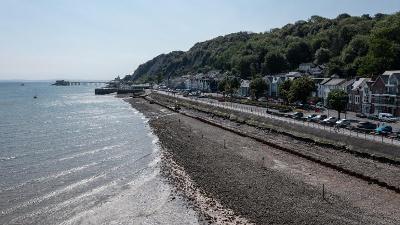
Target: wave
(7,158)
(90,152)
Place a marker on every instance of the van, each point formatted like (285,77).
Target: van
(386,117)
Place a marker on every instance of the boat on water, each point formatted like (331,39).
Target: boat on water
(22,84)
(35,97)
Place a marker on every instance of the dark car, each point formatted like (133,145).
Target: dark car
(373,117)
(284,110)
(361,115)
(366,126)
(297,115)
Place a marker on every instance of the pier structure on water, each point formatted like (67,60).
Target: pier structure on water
(75,83)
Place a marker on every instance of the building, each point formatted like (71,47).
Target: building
(201,82)
(274,81)
(385,96)
(312,70)
(329,84)
(359,96)
(306,67)
(244,89)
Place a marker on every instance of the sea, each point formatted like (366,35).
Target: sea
(72,157)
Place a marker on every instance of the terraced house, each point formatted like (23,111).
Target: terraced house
(385,97)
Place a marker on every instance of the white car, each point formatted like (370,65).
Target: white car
(329,120)
(386,117)
(343,123)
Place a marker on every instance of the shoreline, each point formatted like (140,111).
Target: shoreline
(278,190)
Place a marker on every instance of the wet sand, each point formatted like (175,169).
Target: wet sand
(232,179)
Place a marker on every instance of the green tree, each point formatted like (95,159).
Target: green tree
(335,66)
(258,86)
(337,100)
(297,53)
(284,90)
(159,78)
(274,63)
(322,55)
(229,85)
(301,89)
(356,48)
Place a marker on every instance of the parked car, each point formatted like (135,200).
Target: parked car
(361,115)
(343,123)
(297,115)
(373,117)
(284,110)
(366,125)
(309,117)
(263,99)
(318,118)
(386,117)
(330,120)
(384,129)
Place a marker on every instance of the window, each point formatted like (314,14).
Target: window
(357,99)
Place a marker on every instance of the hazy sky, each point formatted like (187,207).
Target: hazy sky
(87,39)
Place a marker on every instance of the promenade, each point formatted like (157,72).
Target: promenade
(261,111)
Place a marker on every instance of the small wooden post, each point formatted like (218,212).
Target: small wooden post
(323,191)
(224,144)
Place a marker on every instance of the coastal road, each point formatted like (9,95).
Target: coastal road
(261,111)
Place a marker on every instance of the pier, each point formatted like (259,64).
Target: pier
(75,83)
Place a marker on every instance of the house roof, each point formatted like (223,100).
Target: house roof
(324,81)
(391,72)
(335,82)
(293,74)
(348,83)
(318,80)
(245,83)
(358,83)
(307,64)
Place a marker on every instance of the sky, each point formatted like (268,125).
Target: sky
(98,40)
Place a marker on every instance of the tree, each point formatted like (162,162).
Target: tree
(337,100)
(356,48)
(297,53)
(284,90)
(258,86)
(229,85)
(274,63)
(301,89)
(335,66)
(322,56)
(159,78)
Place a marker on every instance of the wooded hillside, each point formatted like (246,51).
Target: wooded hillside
(349,46)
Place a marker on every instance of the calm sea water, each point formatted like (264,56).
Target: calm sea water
(70,157)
